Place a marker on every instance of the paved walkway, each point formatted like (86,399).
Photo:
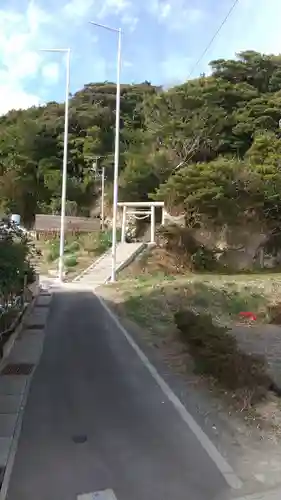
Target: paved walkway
(24,355)
(100,271)
(97,421)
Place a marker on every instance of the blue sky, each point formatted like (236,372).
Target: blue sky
(162,40)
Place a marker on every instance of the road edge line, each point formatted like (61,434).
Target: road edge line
(223,466)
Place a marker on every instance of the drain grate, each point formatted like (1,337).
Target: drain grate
(35,326)
(42,305)
(18,369)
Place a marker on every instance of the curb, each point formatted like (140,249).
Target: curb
(10,335)
(8,466)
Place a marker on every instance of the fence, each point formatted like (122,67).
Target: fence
(12,309)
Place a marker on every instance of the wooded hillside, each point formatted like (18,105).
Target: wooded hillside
(210,147)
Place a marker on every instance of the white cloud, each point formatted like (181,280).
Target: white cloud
(264,33)
(115,6)
(175,69)
(13,97)
(19,59)
(77,9)
(51,73)
(130,22)
(175,14)
(253,25)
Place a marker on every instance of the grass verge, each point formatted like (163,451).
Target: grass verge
(152,299)
(80,251)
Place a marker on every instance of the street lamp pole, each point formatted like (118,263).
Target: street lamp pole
(64,167)
(116,152)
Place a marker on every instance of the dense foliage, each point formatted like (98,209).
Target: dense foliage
(16,270)
(31,149)
(210,146)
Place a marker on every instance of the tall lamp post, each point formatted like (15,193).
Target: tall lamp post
(116,152)
(64,168)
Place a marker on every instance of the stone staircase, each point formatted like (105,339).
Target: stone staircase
(100,271)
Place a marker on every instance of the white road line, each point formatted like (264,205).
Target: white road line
(226,470)
(98,495)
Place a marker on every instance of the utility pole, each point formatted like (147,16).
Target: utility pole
(97,176)
(102,196)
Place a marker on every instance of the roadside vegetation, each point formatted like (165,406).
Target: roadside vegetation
(16,273)
(81,249)
(188,317)
(210,149)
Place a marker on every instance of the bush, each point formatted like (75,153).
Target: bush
(72,247)
(54,250)
(88,242)
(181,241)
(103,242)
(204,259)
(216,353)
(99,242)
(15,271)
(71,261)
(15,254)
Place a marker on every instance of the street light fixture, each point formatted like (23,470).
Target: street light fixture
(116,152)
(64,168)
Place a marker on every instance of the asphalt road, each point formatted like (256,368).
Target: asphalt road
(91,386)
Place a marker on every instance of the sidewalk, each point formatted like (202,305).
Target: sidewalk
(16,371)
(100,271)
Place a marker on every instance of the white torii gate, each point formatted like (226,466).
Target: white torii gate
(135,210)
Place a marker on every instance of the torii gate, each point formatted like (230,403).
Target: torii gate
(145,208)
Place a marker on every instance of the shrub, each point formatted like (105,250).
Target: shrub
(71,261)
(216,353)
(72,247)
(15,254)
(54,250)
(182,242)
(103,242)
(89,242)
(99,242)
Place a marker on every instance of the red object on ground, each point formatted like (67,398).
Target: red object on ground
(248,315)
